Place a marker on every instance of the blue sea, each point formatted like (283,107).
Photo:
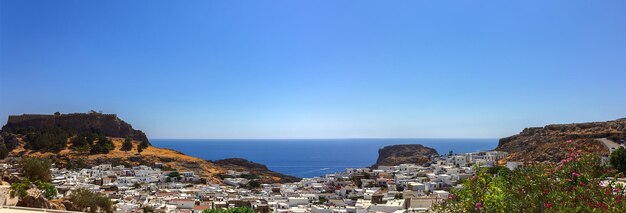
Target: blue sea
(311,157)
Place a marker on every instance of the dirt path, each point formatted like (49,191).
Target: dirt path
(612,146)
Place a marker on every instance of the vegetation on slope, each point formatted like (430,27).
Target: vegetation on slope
(544,143)
(230,210)
(36,179)
(87,201)
(578,183)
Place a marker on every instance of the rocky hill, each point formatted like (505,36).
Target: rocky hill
(404,153)
(548,143)
(20,129)
(107,124)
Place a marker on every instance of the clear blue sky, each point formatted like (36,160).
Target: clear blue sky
(317,69)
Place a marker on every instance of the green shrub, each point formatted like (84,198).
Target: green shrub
(89,201)
(398,196)
(36,169)
(78,163)
(230,210)
(103,146)
(127,145)
(20,189)
(144,144)
(49,191)
(4,151)
(253,184)
(618,159)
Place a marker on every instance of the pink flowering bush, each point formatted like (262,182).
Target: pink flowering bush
(579,183)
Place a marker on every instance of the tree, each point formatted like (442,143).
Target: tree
(4,152)
(127,145)
(144,144)
(148,209)
(322,200)
(253,184)
(618,159)
(82,142)
(86,200)
(76,164)
(175,174)
(36,169)
(398,196)
(103,146)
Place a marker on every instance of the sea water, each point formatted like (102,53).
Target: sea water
(311,157)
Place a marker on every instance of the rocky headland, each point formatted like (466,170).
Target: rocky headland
(240,164)
(404,153)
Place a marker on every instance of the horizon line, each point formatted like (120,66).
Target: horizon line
(356,138)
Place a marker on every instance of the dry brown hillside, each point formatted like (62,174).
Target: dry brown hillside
(151,155)
(170,158)
(549,143)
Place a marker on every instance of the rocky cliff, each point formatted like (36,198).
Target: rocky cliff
(548,143)
(404,153)
(108,124)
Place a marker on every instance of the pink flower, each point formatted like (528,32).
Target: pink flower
(479,206)
(570,159)
(569,141)
(548,205)
(575,174)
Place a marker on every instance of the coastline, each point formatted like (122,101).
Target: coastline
(311,157)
